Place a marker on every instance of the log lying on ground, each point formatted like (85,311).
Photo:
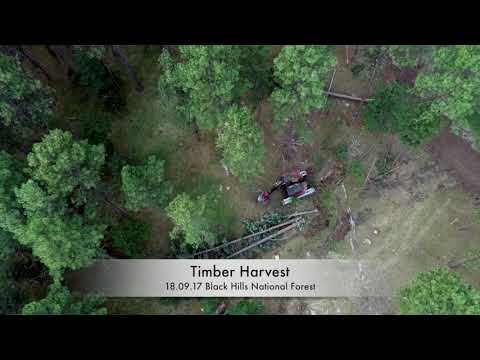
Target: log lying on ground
(290,227)
(346,97)
(303,213)
(245,237)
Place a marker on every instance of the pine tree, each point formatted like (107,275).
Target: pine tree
(209,76)
(301,73)
(24,101)
(145,185)
(241,143)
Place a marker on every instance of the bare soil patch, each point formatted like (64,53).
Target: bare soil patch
(454,154)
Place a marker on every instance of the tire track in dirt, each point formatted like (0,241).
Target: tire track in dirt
(413,237)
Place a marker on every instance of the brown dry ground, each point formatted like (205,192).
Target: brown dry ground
(454,154)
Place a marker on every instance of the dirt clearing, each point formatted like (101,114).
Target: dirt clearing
(456,155)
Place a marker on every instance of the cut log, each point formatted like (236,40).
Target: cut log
(346,97)
(245,237)
(284,230)
(303,213)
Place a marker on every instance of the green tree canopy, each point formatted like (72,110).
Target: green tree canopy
(63,163)
(452,87)
(24,101)
(240,140)
(35,200)
(145,185)
(439,292)
(62,242)
(191,219)
(46,212)
(11,176)
(301,72)
(395,110)
(409,55)
(209,76)
(8,245)
(257,67)
(59,301)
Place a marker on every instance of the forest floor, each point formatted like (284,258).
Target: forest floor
(418,217)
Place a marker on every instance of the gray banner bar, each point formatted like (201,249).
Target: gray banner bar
(229,278)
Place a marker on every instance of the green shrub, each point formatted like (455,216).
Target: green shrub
(145,185)
(246,307)
(357,69)
(192,220)
(210,305)
(130,235)
(266,221)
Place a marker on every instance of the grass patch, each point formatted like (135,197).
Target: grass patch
(356,170)
(327,201)
(341,152)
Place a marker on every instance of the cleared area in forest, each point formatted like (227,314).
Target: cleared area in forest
(417,217)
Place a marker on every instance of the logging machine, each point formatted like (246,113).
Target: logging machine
(292,186)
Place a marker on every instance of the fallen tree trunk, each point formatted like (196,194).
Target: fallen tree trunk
(245,237)
(346,97)
(290,227)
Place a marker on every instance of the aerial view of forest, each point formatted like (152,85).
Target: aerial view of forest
(240,152)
